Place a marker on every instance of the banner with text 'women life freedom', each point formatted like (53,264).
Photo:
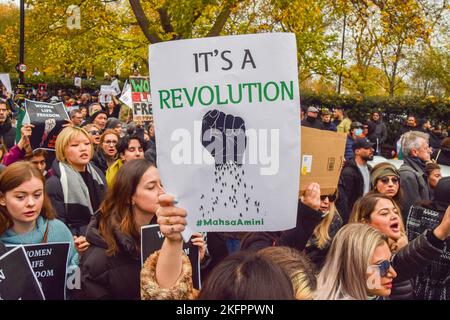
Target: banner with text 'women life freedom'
(226,114)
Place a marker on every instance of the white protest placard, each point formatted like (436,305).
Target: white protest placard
(6,81)
(226,114)
(126,97)
(106,93)
(115,86)
(77,82)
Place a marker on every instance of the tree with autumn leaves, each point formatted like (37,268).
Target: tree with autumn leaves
(384,38)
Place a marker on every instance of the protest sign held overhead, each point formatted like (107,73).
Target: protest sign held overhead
(152,240)
(49,263)
(17,279)
(226,109)
(48,120)
(141,99)
(6,81)
(77,82)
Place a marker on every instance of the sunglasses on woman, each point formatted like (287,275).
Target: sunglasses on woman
(386,180)
(331,198)
(383,266)
(95,132)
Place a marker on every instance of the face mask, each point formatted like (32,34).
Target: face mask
(358,132)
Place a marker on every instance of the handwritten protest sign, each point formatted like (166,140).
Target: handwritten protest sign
(49,263)
(152,240)
(141,99)
(48,120)
(17,279)
(225,111)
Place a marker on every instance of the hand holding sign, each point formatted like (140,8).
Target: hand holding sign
(197,240)
(26,131)
(171,219)
(311,197)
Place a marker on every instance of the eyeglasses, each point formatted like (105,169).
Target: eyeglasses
(95,132)
(110,142)
(331,198)
(385,180)
(384,267)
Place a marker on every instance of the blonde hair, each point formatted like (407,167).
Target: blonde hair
(300,270)
(344,275)
(65,137)
(321,231)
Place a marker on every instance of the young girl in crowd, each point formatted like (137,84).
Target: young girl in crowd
(26,214)
(357,266)
(382,213)
(77,187)
(110,268)
(106,154)
(245,275)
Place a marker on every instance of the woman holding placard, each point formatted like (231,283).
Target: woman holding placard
(110,268)
(26,214)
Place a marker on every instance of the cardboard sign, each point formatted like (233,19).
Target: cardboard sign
(48,120)
(49,263)
(322,158)
(152,240)
(226,114)
(17,279)
(140,99)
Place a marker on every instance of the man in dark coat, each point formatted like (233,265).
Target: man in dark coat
(354,181)
(414,182)
(311,120)
(377,131)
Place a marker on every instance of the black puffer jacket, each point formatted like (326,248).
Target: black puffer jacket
(105,277)
(350,188)
(99,160)
(412,259)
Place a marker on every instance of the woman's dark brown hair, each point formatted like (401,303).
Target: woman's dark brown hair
(247,276)
(12,177)
(116,211)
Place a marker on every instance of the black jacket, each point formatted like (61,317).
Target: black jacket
(99,160)
(104,277)
(377,130)
(307,220)
(433,280)
(314,123)
(443,156)
(414,185)
(411,260)
(8,134)
(350,188)
(75,216)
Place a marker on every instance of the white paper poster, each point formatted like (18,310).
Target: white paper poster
(226,114)
(6,81)
(77,82)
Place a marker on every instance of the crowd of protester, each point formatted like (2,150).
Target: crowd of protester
(101,185)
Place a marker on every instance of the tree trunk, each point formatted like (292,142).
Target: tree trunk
(143,21)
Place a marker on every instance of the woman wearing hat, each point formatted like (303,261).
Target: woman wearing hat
(385,179)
